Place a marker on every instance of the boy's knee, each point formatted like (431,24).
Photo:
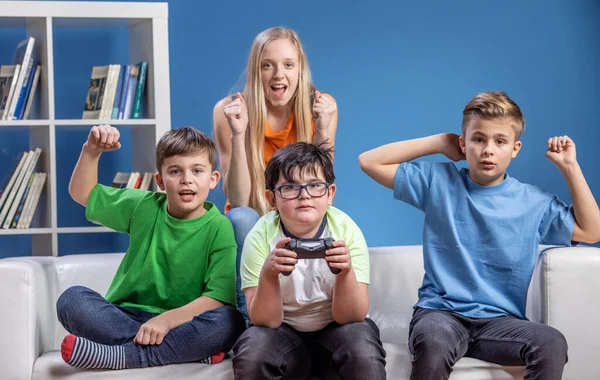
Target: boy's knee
(552,344)
(253,348)
(71,298)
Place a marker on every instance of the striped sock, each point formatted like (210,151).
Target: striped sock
(83,353)
(213,359)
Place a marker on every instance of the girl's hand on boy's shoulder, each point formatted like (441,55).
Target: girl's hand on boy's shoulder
(153,331)
(103,138)
(280,260)
(339,256)
(561,151)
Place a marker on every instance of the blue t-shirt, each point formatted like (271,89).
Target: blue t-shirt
(480,243)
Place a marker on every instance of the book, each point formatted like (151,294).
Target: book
(31,95)
(21,189)
(117,103)
(124,90)
(147,181)
(94,98)
(132,180)
(38,188)
(120,180)
(139,92)
(13,177)
(24,91)
(8,81)
(134,73)
(15,187)
(109,92)
(23,57)
(19,211)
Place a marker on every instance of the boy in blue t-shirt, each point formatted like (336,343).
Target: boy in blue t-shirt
(480,240)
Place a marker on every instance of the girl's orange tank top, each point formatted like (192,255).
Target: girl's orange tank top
(277,140)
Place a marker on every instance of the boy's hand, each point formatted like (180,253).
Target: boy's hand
(280,260)
(323,109)
(103,138)
(451,147)
(237,115)
(153,331)
(561,151)
(339,256)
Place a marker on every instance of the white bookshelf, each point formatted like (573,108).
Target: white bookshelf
(147,26)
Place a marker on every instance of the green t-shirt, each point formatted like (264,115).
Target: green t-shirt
(170,262)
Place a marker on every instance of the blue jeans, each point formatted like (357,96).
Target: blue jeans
(242,219)
(437,339)
(352,351)
(87,314)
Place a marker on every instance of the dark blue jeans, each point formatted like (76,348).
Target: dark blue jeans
(242,219)
(87,314)
(439,338)
(353,351)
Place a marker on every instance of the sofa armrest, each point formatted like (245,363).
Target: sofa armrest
(571,278)
(26,326)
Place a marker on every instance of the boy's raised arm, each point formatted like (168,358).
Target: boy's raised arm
(381,163)
(561,152)
(102,138)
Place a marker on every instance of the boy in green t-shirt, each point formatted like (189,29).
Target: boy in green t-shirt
(172,299)
(310,320)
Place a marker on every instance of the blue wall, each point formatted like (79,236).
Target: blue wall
(397,70)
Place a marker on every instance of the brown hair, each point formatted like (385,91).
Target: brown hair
(494,105)
(184,142)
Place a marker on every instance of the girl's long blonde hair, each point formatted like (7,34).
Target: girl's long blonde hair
(254,97)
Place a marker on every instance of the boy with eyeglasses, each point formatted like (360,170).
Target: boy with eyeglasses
(306,320)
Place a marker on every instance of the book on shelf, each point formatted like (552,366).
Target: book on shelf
(19,211)
(116,92)
(32,200)
(28,169)
(12,178)
(93,100)
(31,95)
(134,180)
(25,57)
(20,191)
(18,82)
(139,91)
(9,75)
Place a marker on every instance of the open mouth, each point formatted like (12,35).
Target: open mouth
(187,195)
(279,89)
(488,164)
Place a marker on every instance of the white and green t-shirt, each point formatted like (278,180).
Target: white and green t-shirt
(308,292)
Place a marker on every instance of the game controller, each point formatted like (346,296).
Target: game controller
(311,249)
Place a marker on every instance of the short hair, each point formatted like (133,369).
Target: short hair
(300,157)
(494,105)
(184,142)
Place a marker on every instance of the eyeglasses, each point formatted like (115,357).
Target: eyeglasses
(292,191)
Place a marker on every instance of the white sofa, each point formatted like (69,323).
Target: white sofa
(563,294)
